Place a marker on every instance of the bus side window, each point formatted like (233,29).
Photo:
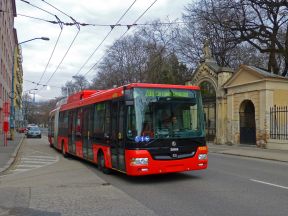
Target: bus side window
(99,119)
(107,121)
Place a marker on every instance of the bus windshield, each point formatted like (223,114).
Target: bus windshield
(165,113)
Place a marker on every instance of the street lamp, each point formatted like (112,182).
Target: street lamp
(41,38)
(12,93)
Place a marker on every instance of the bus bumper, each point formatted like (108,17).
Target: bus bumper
(140,162)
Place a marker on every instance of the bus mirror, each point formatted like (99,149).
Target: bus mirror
(129,103)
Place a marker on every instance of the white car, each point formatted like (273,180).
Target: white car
(34,132)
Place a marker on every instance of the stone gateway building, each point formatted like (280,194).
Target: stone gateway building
(246,106)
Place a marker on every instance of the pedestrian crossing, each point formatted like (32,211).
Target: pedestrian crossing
(30,162)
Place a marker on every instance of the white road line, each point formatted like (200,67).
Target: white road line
(28,166)
(20,170)
(32,158)
(39,156)
(267,183)
(37,162)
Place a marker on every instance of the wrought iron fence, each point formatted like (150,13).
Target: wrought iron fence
(279,122)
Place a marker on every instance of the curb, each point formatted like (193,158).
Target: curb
(249,156)
(12,157)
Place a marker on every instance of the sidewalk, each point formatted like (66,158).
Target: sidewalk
(250,151)
(8,153)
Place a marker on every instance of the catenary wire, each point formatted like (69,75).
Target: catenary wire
(98,25)
(27,2)
(57,9)
(97,48)
(128,28)
(54,48)
(61,60)
(61,26)
(66,53)
(40,84)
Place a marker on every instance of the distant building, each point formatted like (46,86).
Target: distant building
(247,106)
(17,83)
(7,44)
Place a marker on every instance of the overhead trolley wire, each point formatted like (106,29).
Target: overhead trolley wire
(62,59)
(128,28)
(40,84)
(71,44)
(27,2)
(57,9)
(112,27)
(58,38)
(100,25)
(54,48)
(36,18)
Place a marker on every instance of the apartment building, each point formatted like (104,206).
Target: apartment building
(17,82)
(7,44)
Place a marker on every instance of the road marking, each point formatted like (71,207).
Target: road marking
(28,165)
(38,158)
(267,183)
(37,162)
(20,170)
(42,157)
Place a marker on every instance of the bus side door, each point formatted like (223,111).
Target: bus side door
(72,131)
(117,135)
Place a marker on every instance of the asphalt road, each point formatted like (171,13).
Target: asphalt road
(231,186)
(42,182)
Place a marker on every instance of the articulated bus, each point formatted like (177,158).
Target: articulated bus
(137,129)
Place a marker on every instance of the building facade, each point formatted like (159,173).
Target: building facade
(17,81)
(240,105)
(7,44)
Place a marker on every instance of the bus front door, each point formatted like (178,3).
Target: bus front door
(71,131)
(117,135)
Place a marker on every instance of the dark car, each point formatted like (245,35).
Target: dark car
(34,132)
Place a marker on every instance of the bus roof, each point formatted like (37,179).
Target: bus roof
(152,85)
(86,97)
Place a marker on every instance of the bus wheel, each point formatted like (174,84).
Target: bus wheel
(64,153)
(101,164)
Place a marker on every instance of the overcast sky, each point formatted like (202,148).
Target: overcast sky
(36,53)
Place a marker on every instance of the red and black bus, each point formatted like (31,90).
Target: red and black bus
(138,129)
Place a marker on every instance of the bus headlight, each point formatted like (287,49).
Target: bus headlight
(202,157)
(139,161)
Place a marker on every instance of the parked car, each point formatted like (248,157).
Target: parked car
(29,126)
(21,130)
(33,132)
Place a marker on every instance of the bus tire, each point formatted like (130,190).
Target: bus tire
(101,163)
(64,153)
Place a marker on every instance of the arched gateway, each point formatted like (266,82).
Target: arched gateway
(247,123)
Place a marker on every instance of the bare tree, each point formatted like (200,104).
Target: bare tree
(261,23)
(124,62)
(78,83)
(201,25)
